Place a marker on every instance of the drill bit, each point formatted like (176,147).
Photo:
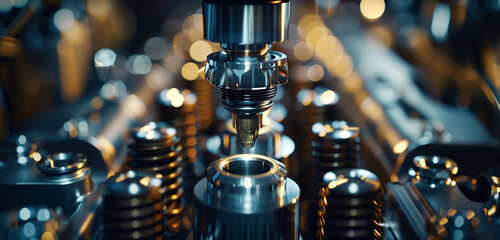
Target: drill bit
(246,73)
(247,126)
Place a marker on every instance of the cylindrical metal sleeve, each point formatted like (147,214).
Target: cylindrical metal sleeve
(246,196)
(244,23)
(212,222)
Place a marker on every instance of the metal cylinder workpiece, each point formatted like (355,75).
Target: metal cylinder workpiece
(246,22)
(246,196)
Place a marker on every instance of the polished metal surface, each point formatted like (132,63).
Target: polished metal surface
(251,72)
(247,126)
(419,78)
(133,206)
(246,31)
(350,205)
(433,169)
(62,176)
(245,23)
(335,145)
(270,142)
(157,150)
(246,196)
(177,107)
(62,163)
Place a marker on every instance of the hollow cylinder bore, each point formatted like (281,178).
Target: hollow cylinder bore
(246,196)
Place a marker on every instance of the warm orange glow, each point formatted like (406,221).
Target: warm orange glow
(199,50)
(194,21)
(315,72)
(190,71)
(328,48)
(372,9)
(470,214)
(36,156)
(303,51)
(308,22)
(443,221)
(452,212)
(401,146)
(316,34)
(343,68)
(475,222)
(97,103)
(333,184)
(490,212)
(99,8)
(327,97)
(47,236)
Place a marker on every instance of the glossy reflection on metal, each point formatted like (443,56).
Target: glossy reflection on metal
(133,206)
(246,196)
(246,73)
(157,150)
(246,23)
(270,142)
(350,205)
(64,166)
(433,170)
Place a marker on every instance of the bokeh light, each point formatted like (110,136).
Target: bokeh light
(156,48)
(199,50)
(303,51)
(315,72)
(190,71)
(372,9)
(64,19)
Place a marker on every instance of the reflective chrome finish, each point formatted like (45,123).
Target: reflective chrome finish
(266,71)
(271,142)
(133,207)
(246,196)
(246,23)
(351,205)
(63,176)
(62,163)
(246,31)
(433,169)
(335,145)
(157,150)
(177,108)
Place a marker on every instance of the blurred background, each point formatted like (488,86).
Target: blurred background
(418,79)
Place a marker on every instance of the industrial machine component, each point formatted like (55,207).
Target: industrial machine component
(246,73)
(336,145)
(433,170)
(246,196)
(311,106)
(270,142)
(351,205)
(157,149)
(419,78)
(134,207)
(64,166)
(41,178)
(177,108)
(205,104)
